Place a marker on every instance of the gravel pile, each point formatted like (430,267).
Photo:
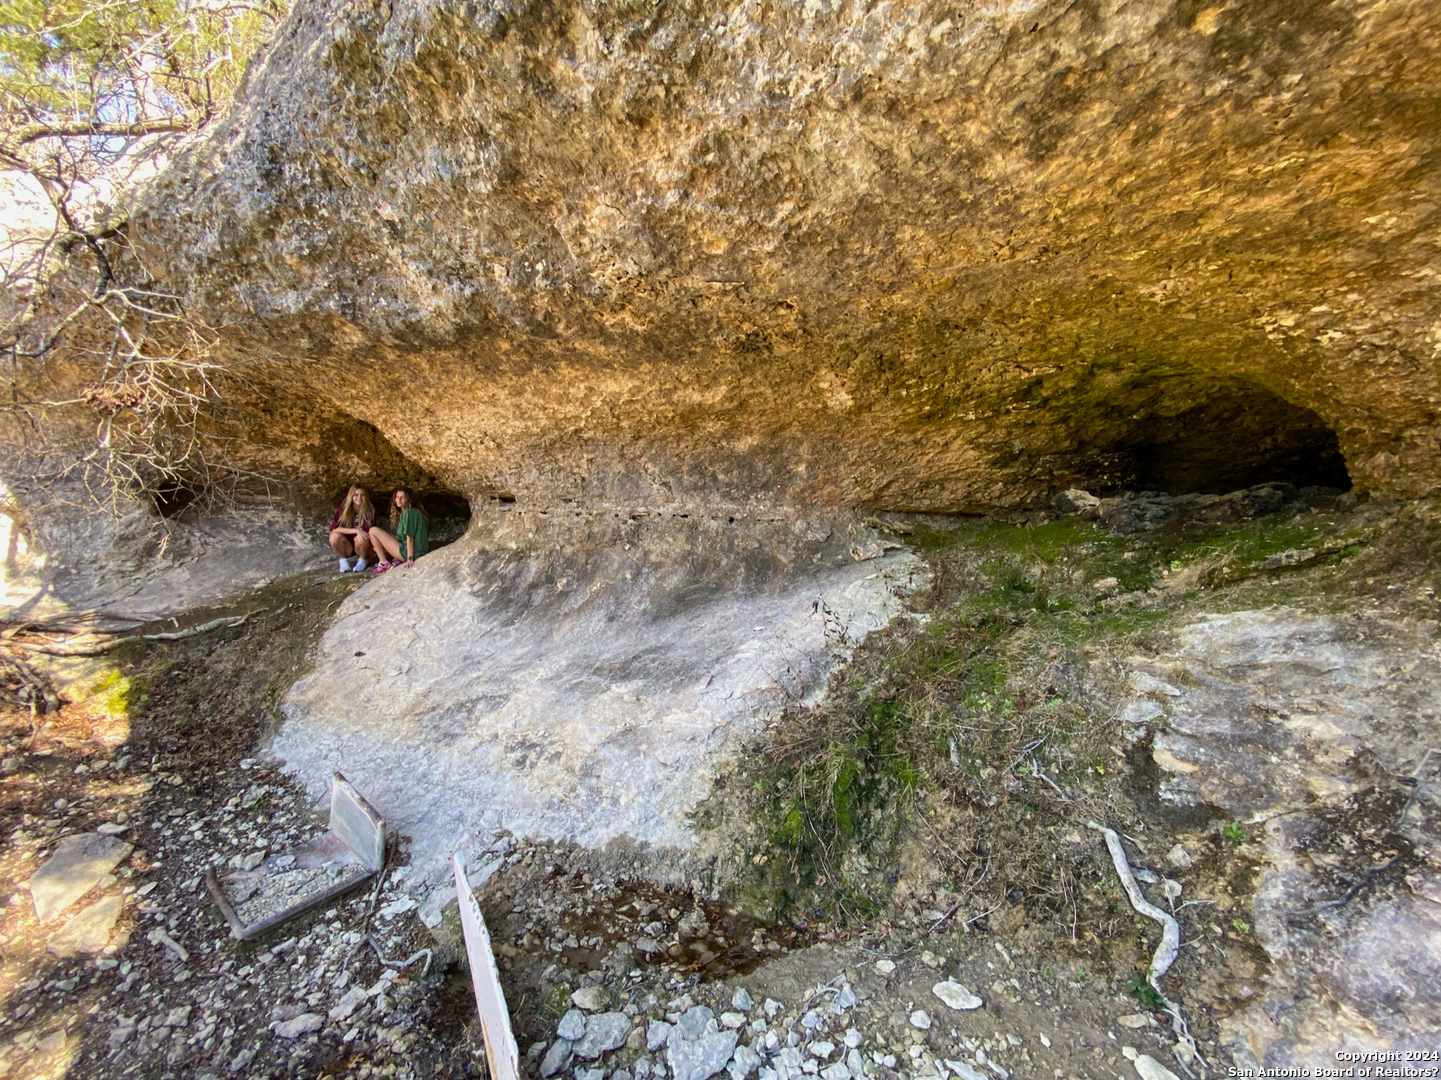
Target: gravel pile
(830,1034)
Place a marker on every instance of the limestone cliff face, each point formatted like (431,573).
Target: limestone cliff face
(903,256)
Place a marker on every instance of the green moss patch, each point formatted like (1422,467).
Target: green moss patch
(954,761)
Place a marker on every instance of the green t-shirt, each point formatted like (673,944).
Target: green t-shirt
(412,524)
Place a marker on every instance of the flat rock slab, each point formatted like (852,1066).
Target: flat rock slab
(697,1059)
(1279,706)
(202,562)
(89,931)
(76,867)
(1296,725)
(555,1058)
(591,999)
(582,678)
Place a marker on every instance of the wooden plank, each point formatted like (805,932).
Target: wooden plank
(500,1047)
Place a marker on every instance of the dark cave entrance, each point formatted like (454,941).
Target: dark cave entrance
(174,495)
(439,503)
(448,511)
(1237,440)
(351,450)
(1236,437)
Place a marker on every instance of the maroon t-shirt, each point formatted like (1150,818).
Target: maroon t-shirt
(365,522)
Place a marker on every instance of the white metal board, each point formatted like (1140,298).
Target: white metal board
(500,1046)
(356,822)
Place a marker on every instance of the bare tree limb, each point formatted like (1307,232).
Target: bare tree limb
(34,132)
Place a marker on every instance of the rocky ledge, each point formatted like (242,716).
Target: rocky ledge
(901,257)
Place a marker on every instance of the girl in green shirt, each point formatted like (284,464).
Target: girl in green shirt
(410,536)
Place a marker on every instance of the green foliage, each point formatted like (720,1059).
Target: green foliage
(1145,993)
(961,730)
(827,799)
(793,825)
(555,1003)
(1234,832)
(65,64)
(1241,926)
(932,718)
(1219,555)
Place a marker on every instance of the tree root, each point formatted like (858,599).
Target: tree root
(1185,1050)
(400,965)
(42,699)
(203,628)
(98,644)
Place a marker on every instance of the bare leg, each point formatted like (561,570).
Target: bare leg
(363,546)
(386,546)
(340,544)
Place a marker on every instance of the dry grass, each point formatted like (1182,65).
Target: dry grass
(959,744)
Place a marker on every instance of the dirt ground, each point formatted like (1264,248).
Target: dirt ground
(139,1009)
(175,770)
(156,743)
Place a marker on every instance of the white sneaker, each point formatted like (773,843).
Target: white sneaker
(359,565)
(344,565)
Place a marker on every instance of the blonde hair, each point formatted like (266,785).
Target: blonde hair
(347,512)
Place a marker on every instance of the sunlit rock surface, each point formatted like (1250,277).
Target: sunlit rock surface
(579,677)
(124,564)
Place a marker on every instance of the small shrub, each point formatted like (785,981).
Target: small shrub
(1145,993)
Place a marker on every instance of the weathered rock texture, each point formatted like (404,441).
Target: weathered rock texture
(576,676)
(901,256)
(133,567)
(1317,733)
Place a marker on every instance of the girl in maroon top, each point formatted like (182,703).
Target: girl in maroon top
(350,529)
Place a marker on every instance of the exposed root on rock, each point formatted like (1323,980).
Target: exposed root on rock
(400,965)
(1165,954)
(98,642)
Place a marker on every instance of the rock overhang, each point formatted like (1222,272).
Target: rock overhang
(899,259)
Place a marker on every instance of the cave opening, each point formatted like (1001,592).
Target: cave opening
(174,495)
(442,504)
(448,511)
(1234,437)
